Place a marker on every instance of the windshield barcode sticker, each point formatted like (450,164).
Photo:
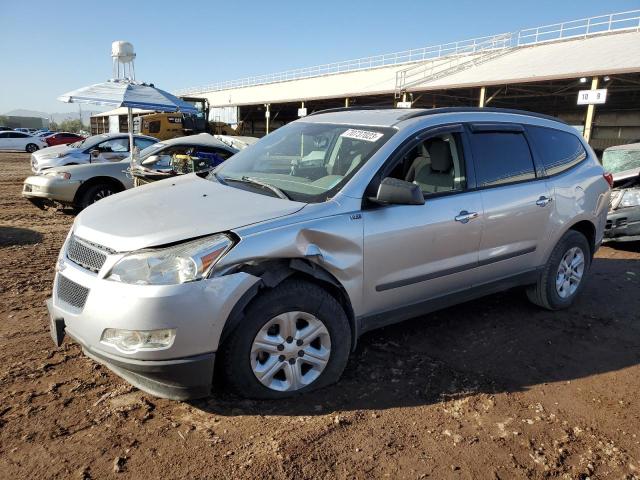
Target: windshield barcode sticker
(365,135)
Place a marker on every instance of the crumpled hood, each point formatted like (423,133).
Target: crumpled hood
(51,152)
(173,210)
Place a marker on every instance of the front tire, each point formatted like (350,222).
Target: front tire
(31,147)
(95,193)
(564,274)
(293,339)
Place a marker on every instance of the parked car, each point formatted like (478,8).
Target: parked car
(62,138)
(191,154)
(332,225)
(109,147)
(5,129)
(77,186)
(81,185)
(20,141)
(623,220)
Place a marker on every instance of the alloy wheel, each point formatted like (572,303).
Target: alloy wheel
(290,351)
(570,272)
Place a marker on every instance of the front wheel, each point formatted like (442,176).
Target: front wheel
(564,274)
(31,147)
(293,339)
(95,193)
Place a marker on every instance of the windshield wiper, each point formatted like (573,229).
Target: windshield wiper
(262,184)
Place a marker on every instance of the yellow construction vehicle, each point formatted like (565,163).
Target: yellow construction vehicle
(164,126)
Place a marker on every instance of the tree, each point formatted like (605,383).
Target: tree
(53,126)
(3,120)
(72,126)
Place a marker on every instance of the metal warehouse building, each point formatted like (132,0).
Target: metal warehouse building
(540,69)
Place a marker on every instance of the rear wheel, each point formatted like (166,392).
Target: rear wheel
(95,193)
(31,147)
(563,276)
(293,339)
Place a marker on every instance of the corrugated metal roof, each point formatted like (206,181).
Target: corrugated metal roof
(607,54)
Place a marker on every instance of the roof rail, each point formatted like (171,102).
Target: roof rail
(513,111)
(421,112)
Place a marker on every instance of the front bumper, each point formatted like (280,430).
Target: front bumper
(84,303)
(181,379)
(623,223)
(49,188)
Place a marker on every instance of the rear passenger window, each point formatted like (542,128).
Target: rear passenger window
(501,157)
(559,150)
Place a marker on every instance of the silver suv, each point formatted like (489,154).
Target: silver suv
(332,225)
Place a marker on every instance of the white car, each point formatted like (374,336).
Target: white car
(20,141)
(109,147)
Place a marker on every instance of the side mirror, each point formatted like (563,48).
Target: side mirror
(95,153)
(398,192)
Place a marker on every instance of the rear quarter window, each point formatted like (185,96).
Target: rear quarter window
(501,157)
(558,150)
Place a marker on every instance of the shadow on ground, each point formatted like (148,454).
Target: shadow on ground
(500,343)
(11,236)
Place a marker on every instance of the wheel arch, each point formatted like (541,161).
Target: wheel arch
(117,184)
(588,229)
(272,273)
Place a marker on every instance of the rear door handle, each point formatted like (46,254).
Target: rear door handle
(543,201)
(465,216)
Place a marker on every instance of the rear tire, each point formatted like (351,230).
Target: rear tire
(95,193)
(31,147)
(309,354)
(564,274)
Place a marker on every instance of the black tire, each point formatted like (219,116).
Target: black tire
(544,292)
(31,147)
(94,193)
(292,295)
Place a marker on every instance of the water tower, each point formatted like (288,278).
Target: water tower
(122,57)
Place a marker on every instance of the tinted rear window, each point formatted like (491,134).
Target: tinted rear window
(558,150)
(501,157)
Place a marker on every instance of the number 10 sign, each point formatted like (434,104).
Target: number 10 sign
(592,97)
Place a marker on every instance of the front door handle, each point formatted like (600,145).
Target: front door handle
(543,201)
(465,216)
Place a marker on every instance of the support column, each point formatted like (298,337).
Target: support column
(483,93)
(346,102)
(267,115)
(591,111)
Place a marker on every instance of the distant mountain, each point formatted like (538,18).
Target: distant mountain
(54,117)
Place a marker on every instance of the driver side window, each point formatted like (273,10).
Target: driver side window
(114,145)
(436,165)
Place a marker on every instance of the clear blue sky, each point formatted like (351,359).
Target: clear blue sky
(50,47)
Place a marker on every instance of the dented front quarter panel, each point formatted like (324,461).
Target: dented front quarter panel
(328,234)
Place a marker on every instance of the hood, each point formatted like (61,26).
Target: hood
(626,174)
(51,152)
(174,210)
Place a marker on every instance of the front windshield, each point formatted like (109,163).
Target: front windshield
(616,161)
(309,162)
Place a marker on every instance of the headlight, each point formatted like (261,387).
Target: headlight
(130,341)
(64,175)
(181,263)
(630,198)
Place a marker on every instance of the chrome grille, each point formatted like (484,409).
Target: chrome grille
(87,254)
(71,293)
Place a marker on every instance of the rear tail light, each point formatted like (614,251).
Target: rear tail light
(609,178)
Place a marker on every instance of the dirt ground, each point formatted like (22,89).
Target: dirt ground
(495,388)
